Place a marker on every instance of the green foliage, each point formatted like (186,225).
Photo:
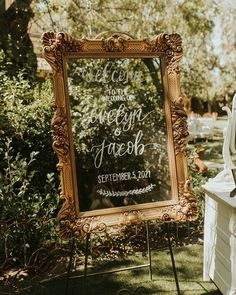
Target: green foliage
(25,116)
(26,213)
(28,180)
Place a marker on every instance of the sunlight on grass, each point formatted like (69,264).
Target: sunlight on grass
(189,269)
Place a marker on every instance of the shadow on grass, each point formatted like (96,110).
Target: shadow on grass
(104,285)
(189,270)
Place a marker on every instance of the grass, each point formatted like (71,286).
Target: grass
(189,269)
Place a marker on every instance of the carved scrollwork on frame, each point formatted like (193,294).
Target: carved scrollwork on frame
(54,45)
(70,226)
(186,209)
(90,224)
(66,217)
(52,52)
(156,45)
(60,137)
(171,47)
(114,44)
(60,144)
(131,217)
(174,52)
(180,127)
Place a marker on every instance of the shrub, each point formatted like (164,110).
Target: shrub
(28,180)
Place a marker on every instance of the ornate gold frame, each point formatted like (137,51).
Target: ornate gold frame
(58,47)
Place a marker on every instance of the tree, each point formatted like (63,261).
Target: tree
(193,20)
(226,79)
(14,39)
(204,77)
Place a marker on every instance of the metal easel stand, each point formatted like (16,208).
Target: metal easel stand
(167,226)
(122,291)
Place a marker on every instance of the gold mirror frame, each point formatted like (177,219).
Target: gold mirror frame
(58,47)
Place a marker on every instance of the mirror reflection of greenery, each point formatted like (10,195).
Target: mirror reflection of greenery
(87,96)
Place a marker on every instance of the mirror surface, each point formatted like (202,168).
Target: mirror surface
(119,132)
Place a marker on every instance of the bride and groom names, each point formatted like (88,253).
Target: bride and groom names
(124,120)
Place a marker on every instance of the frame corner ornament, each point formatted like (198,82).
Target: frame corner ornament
(173,52)
(171,46)
(51,50)
(55,45)
(186,210)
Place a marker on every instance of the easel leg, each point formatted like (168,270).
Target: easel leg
(86,254)
(69,266)
(84,285)
(149,251)
(172,258)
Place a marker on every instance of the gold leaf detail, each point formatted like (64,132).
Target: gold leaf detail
(54,45)
(179,127)
(186,209)
(60,135)
(171,48)
(114,44)
(131,217)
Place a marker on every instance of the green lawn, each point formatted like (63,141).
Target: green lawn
(189,268)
